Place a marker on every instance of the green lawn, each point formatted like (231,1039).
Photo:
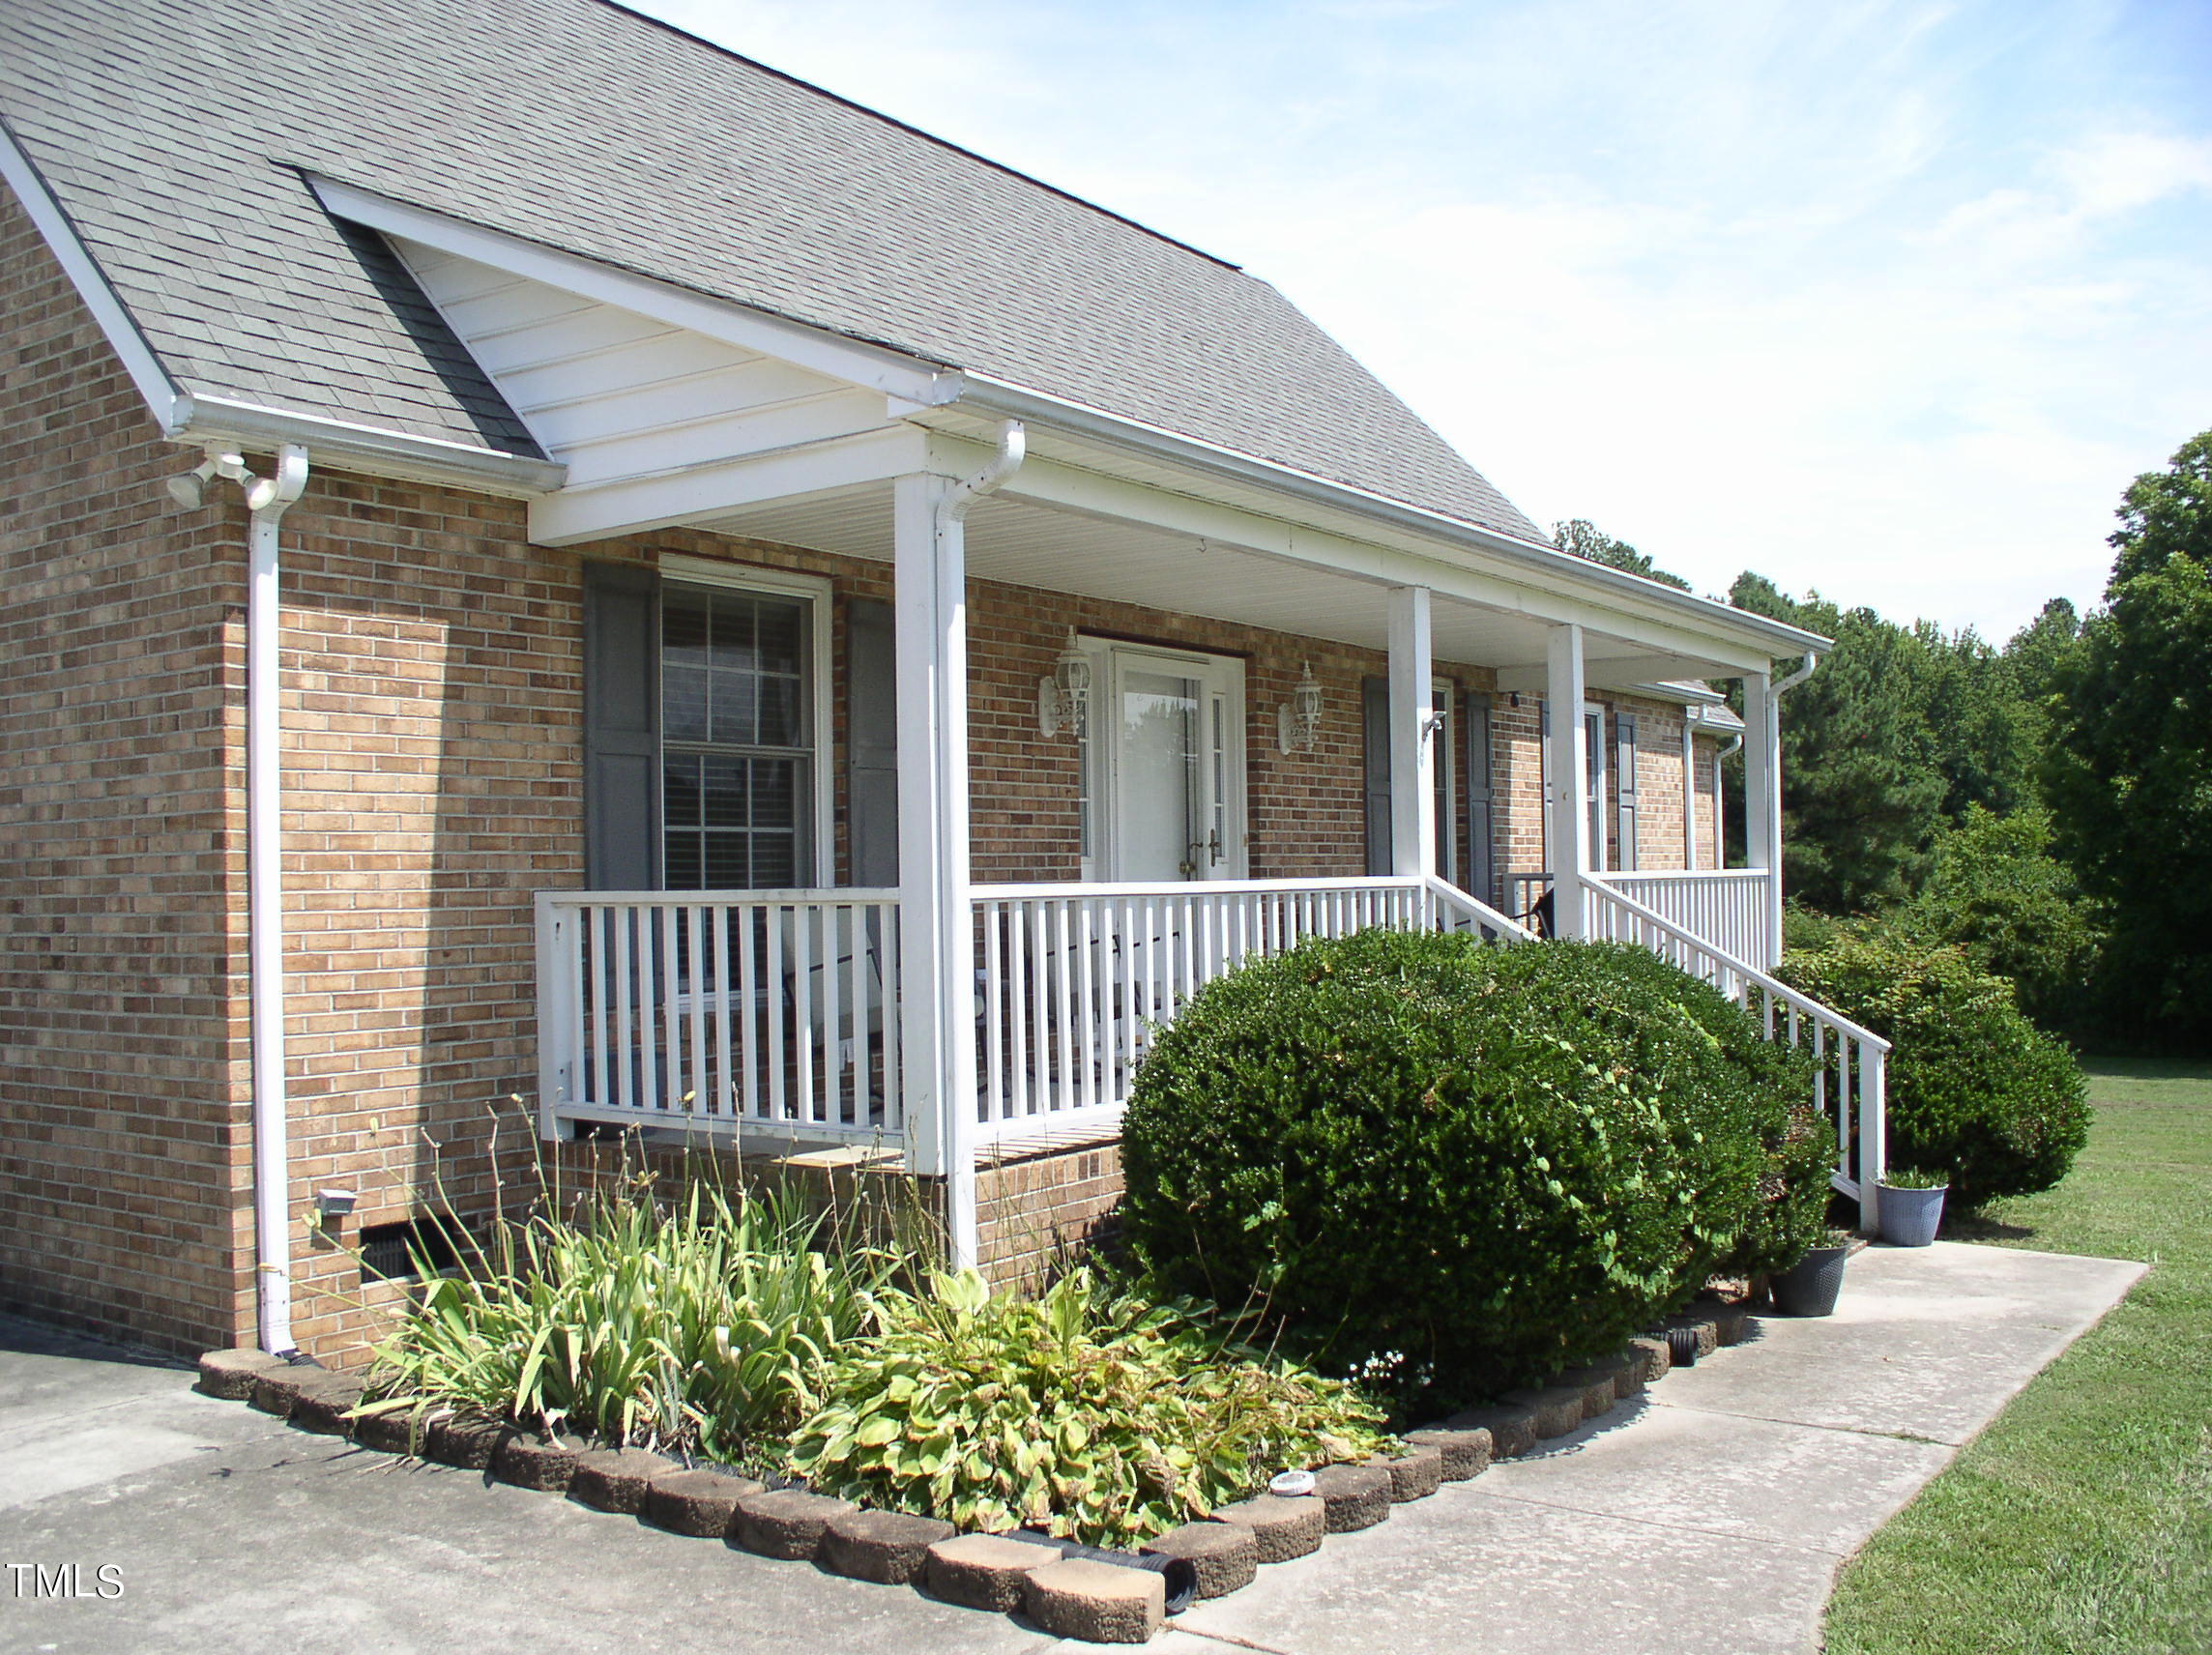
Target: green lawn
(2080,1523)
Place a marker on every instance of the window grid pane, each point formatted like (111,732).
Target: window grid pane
(737,764)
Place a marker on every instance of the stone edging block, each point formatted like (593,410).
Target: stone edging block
(1413,1474)
(1650,1359)
(1098,1603)
(1557,1409)
(1283,1526)
(324,1403)
(700,1503)
(983,1571)
(786,1522)
(890,1548)
(1463,1454)
(466,1441)
(614,1479)
(1225,1554)
(1355,1497)
(1512,1430)
(542,1463)
(229,1374)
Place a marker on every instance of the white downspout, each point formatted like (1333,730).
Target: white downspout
(266,498)
(1772,736)
(955,951)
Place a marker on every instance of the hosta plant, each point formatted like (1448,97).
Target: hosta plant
(1101,1416)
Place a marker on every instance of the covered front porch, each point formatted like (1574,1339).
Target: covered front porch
(928,1009)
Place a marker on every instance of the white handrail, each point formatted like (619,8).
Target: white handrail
(1841,1047)
(1074,979)
(721,1011)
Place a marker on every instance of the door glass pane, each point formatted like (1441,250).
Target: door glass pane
(1155,774)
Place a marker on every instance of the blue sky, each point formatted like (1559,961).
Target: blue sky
(1888,299)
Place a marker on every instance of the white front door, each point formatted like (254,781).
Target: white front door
(1168,765)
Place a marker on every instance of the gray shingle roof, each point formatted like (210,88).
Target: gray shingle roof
(174,134)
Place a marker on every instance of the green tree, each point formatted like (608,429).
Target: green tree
(1995,890)
(1583,539)
(1862,793)
(2129,770)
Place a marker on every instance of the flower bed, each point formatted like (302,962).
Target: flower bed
(1123,1600)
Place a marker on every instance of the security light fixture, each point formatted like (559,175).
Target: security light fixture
(1063,697)
(1298,720)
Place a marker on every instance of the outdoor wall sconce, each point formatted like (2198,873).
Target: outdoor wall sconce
(1064,696)
(1298,720)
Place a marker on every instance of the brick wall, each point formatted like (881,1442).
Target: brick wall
(1031,1211)
(122,849)
(1517,772)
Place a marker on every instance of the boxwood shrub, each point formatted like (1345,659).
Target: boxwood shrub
(1974,1086)
(1455,1169)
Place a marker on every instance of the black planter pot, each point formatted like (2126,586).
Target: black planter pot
(1809,1287)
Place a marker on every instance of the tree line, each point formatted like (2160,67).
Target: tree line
(2045,803)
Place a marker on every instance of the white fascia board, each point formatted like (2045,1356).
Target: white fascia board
(90,281)
(345,446)
(1072,488)
(701,493)
(911,378)
(997,396)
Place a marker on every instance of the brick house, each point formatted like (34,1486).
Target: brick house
(546,558)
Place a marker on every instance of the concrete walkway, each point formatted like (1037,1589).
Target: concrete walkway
(1710,1516)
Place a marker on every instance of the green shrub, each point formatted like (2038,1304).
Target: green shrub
(701,1324)
(1974,1086)
(1453,1168)
(1995,890)
(1096,1414)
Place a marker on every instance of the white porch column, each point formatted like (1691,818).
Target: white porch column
(1689,792)
(1763,800)
(936,925)
(1412,756)
(1568,852)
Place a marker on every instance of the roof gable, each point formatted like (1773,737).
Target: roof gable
(580,125)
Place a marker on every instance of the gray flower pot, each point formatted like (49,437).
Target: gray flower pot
(1810,1286)
(1909,1216)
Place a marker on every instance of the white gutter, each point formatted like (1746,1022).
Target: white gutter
(1812,664)
(994,395)
(265,500)
(223,422)
(956,946)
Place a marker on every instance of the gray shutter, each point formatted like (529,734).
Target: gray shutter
(871,735)
(1624,787)
(1375,722)
(1480,862)
(622,728)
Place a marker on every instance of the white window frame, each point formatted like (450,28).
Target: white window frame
(820,705)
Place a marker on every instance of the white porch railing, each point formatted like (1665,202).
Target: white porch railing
(1073,978)
(774,1010)
(1726,908)
(1850,1084)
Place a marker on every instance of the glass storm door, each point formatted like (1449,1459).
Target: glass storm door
(1173,729)
(1593,788)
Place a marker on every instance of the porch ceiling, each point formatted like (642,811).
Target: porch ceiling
(1029,543)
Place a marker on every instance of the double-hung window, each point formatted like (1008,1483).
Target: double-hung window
(739,766)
